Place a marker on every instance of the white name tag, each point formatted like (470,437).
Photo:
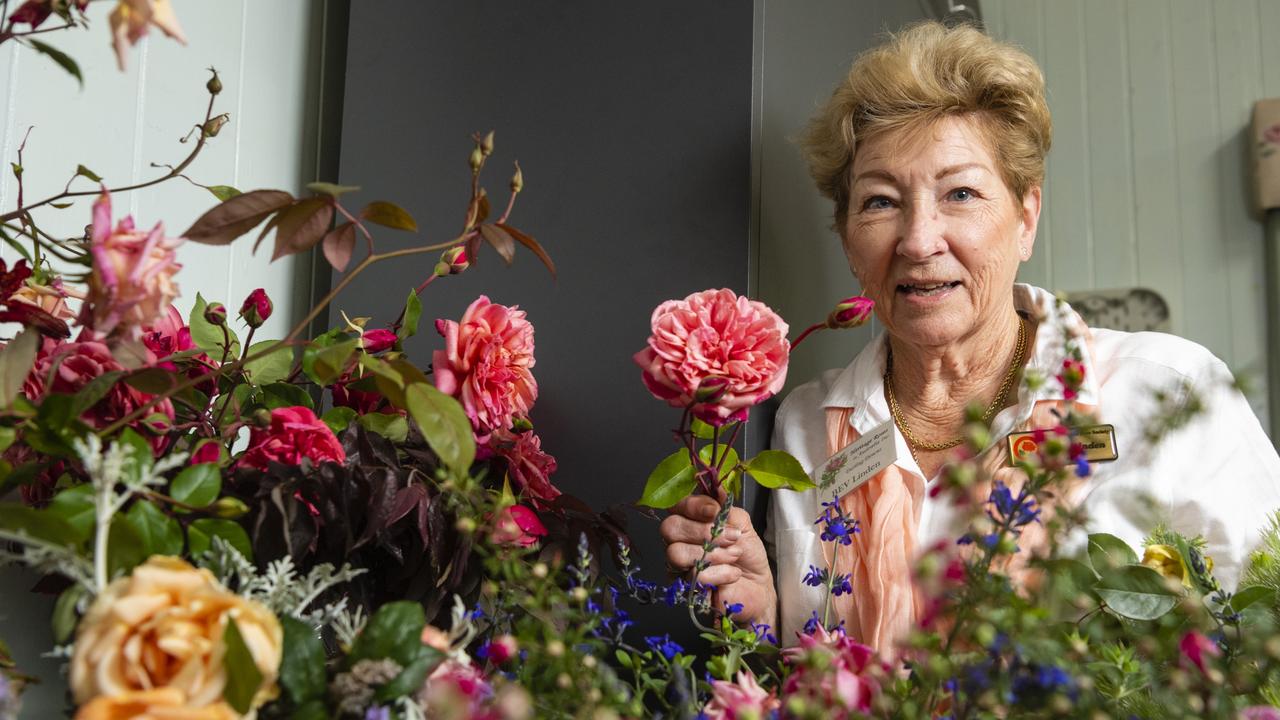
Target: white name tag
(857,463)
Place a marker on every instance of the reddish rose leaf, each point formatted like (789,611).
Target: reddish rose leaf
(500,240)
(533,245)
(302,226)
(473,248)
(266,230)
(390,215)
(483,211)
(237,216)
(338,245)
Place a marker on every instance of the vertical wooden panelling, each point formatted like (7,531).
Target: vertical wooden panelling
(1239,83)
(1155,161)
(1069,176)
(1108,144)
(1023,23)
(1269,49)
(1199,200)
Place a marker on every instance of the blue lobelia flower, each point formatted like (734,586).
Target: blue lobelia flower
(733,609)
(664,645)
(762,633)
(815,577)
(836,526)
(812,624)
(676,592)
(841,586)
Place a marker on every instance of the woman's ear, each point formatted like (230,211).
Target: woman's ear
(1030,210)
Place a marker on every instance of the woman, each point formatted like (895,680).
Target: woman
(933,152)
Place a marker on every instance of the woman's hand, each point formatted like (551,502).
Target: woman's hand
(738,567)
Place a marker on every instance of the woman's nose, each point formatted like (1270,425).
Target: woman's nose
(922,235)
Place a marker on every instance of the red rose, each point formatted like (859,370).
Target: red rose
(256,308)
(208,451)
(295,433)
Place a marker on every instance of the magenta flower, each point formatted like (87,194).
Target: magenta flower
(851,313)
(256,309)
(376,341)
(1196,649)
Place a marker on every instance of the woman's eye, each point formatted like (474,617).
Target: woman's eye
(879,202)
(963,194)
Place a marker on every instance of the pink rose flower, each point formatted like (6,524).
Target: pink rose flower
(487,364)
(528,466)
(37,306)
(741,700)
(736,346)
(455,689)
(208,451)
(67,367)
(1197,649)
(847,685)
(131,19)
(517,526)
(1259,712)
(167,336)
(295,433)
(131,284)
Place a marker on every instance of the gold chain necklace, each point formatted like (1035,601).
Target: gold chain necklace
(913,442)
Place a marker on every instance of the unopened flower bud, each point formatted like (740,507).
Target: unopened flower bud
(540,570)
(262,418)
(375,341)
(465,525)
(214,86)
(453,261)
(850,313)
(256,308)
(216,314)
(502,649)
(486,145)
(589,661)
(579,594)
(555,648)
(564,681)
(228,508)
(517,180)
(213,125)
(711,389)
(476,159)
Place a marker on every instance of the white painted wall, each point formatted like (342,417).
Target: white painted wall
(1147,182)
(119,124)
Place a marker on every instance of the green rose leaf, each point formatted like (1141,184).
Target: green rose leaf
(93,391)
(324,365)
(16,361)
(197,485)
(1108,551)
(670,482)
(390,426)
(302,672)
(394,631)
(706,431)
(159,533)
(83,171)
(200,536)
(76,506)
(311,710)
(64,613)
(270,368)
(338,418)
(724,453)
(38,524)
(1250,595)
(777,469)
(411,677)
(331,189)
(1137,592)
(223,192)
(278,395)
(441,419)
(388,214)
(64,61)
(7,437)
(125,549)
(243,676)
(412,315)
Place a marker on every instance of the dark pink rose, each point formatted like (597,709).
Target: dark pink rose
(362,401)
(500,649)
(375,341)
(295,433)
(208,451)
(487,364)
(715,340)
(168,336)
(517,526)
(1197,649)
(456,689)
(256,308)
(66,367)
(851,313)
(528,466)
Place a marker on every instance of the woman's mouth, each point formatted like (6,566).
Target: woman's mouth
(927,289)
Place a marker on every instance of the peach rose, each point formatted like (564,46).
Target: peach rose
(131,285)
(159,704)
(487,364)
(131,19)
(161,629)
(716,353)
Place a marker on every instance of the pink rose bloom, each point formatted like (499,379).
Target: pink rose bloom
(487,364)
(846,685)
(715,352)
(527,465)
(66,367)
(1259,712)
(167,336)
(131,285)
(295,433)
(1196,649)
(456,689)
(517,526)
(741,700)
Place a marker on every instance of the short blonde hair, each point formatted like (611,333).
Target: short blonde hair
(919,76)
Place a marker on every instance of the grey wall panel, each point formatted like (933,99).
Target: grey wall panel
(632,124)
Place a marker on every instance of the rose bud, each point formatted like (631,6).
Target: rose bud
(375,341)
(209,451)
(453,261)
(476,159)
(711,389)
(517,180)
(214,86)
(486,145)
(262,418)
(228,508)
(216,314)
(850,313)
(256,308)
(502,649)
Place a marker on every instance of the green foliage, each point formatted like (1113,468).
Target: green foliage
(209,337)
(197,485)
(395,632)
(272,367)
(302,667)
(243,676)
(777,469)
(670,482)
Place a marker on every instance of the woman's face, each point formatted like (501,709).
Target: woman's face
(933,233)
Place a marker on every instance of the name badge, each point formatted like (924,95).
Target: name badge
(858,462)
(1099,443)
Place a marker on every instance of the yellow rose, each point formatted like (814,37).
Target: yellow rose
(161,629)
(1166,560)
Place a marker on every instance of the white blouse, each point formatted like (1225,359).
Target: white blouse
(1218,476)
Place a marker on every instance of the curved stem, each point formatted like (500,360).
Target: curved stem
(807,332)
